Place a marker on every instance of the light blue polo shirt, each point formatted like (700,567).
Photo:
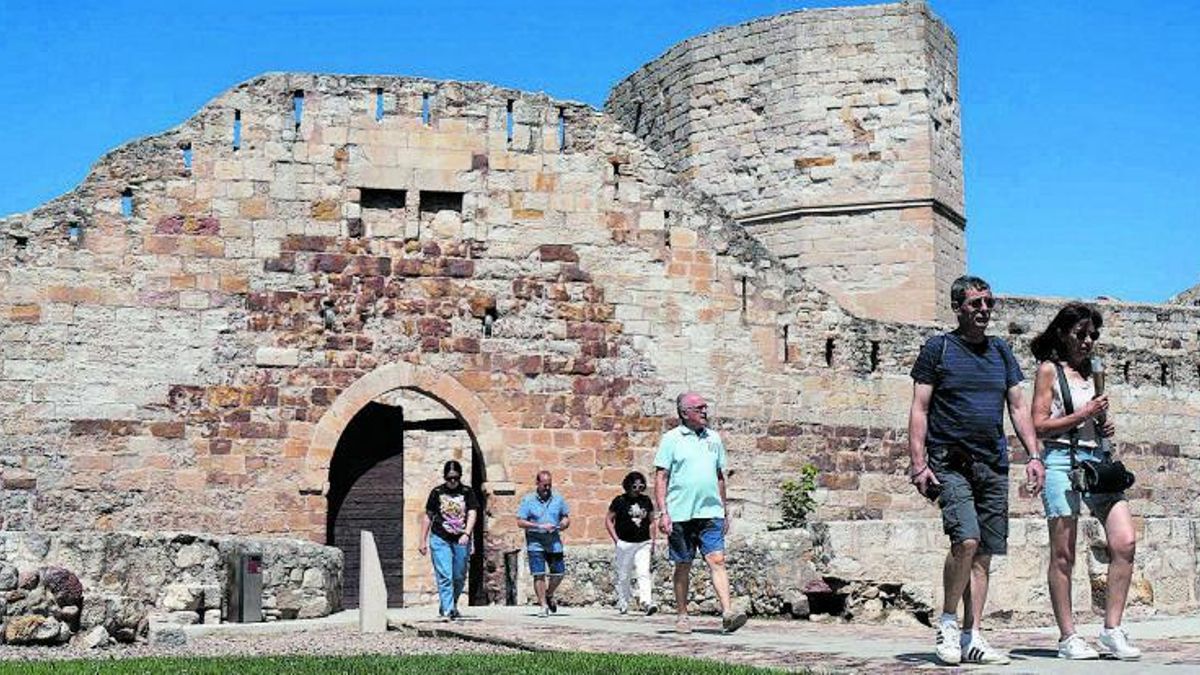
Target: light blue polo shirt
(692,460)
(541,512)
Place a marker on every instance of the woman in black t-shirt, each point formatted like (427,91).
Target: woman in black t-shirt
(629,521)
(450,514)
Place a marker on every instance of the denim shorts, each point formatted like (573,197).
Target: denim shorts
(974,499)
(706,534)
(1059,499)
(538,560)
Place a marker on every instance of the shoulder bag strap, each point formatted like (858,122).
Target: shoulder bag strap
(1064,388)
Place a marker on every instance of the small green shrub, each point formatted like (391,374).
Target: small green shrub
(796,498)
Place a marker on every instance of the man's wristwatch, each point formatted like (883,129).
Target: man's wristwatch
(1036,458)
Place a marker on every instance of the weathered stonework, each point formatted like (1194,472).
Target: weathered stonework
(833,135)
(130,577)
(186,344)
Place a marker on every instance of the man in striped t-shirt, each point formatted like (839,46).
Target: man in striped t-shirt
(962,381)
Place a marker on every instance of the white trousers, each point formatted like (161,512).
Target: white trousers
(631,556)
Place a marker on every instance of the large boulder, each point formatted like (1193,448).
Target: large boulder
(44,608)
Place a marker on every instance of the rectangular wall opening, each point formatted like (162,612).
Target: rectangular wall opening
(186,149)
(379,104)
(382,199)
(127,203)
(237,129)
(434,201)
(425,115)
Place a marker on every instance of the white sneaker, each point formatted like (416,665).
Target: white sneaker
(979,651)
(1115,643)
(1076,649)
(946,644)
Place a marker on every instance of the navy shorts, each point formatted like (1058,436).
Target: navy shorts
(974,499)
(705,534)
(540,560)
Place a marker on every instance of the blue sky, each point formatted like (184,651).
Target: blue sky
(1081,144)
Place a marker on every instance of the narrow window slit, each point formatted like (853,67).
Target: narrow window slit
(562,129)
(508,122)
(667,228)
(237,129)
(425,108)
(489,320)
(127,203)
(186,150)
(743,294)
(874,355)
(1164,373)
(379,104)
(829,351)
(1125,371)
(637,117)
(74,233)
(616,166)
(786,335)
(297,107)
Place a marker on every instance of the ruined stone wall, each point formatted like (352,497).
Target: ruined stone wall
(188,332)
(191,362)
(823,128)
(179,577)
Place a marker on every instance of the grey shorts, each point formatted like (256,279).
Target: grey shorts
(974,499)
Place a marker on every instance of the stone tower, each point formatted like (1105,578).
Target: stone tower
(833,136)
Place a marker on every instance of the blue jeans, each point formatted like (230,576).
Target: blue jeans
(450,568)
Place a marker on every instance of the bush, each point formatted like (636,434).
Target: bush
(796,498)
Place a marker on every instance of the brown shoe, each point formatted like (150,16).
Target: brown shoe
(683,626)
(733,621)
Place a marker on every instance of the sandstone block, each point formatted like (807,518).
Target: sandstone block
(277,357)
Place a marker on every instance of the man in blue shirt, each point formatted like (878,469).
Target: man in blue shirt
(962,381)
(543,514)
(689,495)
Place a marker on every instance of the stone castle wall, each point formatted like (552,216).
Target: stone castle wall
(188,333)
(834,134)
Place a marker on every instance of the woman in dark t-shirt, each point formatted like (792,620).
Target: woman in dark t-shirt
(629,520)
(450,514)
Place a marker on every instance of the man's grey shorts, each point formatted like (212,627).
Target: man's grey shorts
(974,499)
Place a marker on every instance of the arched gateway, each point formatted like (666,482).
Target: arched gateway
(378,450)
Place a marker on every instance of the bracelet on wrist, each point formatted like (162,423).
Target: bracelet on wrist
(1036,458)
(917,472)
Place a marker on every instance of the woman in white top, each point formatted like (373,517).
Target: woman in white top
(1068,343)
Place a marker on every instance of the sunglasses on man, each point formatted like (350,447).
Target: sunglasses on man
(980,303)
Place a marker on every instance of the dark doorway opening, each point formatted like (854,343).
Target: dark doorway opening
(366,492)
(366,489)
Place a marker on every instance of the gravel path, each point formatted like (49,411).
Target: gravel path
(331,641)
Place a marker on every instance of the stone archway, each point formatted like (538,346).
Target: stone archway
(364,478)
(422,379)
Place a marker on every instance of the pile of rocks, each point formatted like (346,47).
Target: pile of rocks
(776,573)
(39,607)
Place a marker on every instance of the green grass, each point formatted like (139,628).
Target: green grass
(568,663)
